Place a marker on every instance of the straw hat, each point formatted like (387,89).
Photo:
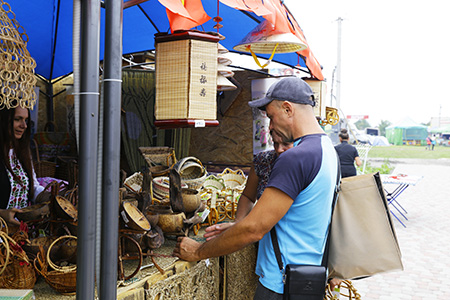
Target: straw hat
(221,49)
(223,84)
(224,70)
(264,38)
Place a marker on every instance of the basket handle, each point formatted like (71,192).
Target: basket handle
(3,224)
(36,147)
(171,155)
(52,265)
(4,238)
(230,171)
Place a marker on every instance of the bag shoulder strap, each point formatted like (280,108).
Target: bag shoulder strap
(273,232)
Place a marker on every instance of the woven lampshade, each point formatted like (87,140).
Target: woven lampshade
(16,64)
(263,39)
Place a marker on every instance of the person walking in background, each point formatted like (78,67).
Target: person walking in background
(433,142)
(348,155)
(18,184)
(297,199)
(428,147)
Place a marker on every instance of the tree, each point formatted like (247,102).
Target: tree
(382,127)
(362,124)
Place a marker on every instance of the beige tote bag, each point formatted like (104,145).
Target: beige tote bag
(363,240)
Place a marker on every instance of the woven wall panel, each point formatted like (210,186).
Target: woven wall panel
(230,142)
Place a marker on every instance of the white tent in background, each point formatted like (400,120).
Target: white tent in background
(380,141)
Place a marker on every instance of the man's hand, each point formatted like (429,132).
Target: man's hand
(216,229)
(186,249)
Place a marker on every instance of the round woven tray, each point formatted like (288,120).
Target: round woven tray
(133,217)
(65,209)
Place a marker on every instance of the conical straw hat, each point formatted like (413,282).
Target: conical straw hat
(263,39)
(221,49)
(223,84)
(224,70)
(222,59)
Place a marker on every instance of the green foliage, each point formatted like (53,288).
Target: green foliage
(382,127)
(385,168)
(409,151)
(362,124)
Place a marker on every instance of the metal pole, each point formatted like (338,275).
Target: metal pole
(89,99)
(338,66)
(112,85)
(338,76)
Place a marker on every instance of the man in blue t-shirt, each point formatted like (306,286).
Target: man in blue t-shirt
(297,199)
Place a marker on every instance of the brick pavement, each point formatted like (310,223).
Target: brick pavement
(425,242)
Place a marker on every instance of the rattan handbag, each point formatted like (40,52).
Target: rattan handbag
(16,271)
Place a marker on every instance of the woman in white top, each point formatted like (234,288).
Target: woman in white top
(18,183)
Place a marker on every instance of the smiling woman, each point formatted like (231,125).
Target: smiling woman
(18,184)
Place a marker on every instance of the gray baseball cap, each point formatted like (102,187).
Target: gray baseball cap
(292,89)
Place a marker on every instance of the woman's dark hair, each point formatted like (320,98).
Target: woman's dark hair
(343,134)
(21,147)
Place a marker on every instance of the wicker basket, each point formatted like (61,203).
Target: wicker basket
(65,209)
(234,179)
(134,182)
(158,156)
(16,272)
(62,279)
(133,217)
(43,168)
(192,172)
(161,187)
(213,183)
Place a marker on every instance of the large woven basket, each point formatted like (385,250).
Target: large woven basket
(16,271)
(62,279)
(192,172)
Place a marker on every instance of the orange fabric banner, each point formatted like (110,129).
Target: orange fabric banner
(185,17)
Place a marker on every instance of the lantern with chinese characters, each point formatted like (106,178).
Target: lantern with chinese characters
(186,76)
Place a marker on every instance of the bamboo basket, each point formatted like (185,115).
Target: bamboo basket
(62,279)
(17,272)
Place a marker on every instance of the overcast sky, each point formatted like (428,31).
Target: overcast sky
(395,58)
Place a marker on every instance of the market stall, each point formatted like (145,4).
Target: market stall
(180,146)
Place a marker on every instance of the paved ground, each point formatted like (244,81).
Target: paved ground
(425,242)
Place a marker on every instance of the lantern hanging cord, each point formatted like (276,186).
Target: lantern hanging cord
(256,58)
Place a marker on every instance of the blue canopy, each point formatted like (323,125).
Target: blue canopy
(48,24)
